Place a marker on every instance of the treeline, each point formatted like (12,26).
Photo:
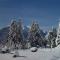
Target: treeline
(34,36)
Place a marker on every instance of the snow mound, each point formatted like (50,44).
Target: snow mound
(5,50)
(33,49)
(56,51)
(16,54)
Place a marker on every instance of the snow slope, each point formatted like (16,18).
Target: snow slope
(56,53)
(41,54)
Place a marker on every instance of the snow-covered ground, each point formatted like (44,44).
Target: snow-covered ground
(41,54)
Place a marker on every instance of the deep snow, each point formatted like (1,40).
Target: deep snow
(41,54)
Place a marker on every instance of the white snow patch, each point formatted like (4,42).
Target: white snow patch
(56,53)
(41,54)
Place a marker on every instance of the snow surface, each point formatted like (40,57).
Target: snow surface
(41,54)
(56,53)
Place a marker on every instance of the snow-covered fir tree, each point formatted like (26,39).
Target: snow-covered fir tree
(51,37)
(58,35)
(34,35)
(54,37)
(15,36)
(12,34)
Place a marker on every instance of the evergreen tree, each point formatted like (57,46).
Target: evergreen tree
(15,36)
(20,34)
(34,35)
(12,33)
(52,37)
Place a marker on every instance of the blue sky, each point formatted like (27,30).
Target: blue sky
(45,12)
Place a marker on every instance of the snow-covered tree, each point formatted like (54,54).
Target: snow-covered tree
(12,34)
(34,35)
(52,38)
(58,35)
(20,36)
(15,36)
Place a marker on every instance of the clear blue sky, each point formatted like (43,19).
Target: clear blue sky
(46,12)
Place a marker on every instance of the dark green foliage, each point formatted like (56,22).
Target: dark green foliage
(52,37)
